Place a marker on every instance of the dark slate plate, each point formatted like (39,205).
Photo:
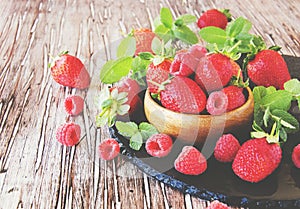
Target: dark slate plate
(218,182)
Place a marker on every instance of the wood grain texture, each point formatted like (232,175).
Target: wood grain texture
(35,170)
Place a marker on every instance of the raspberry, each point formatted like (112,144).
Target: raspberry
(190,161)
(296,156)
(68,134)
(226,148)
(228,99)
(74,104)
(109,149)
(217,205)
(159,145)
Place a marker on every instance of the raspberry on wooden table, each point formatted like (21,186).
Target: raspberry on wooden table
(108,149)
(68,134)
(74,104)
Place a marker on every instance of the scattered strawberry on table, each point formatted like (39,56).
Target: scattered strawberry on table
(68,70)
(185,76)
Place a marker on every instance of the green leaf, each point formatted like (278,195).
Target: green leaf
(163,32)
(156,46)
(185,34)
(266,116)
(213,35)
(136,141)
(166,17)
(127,129)
(186,19)
(258,93)
(293,86)
(280,99)
(270,90)
(240,25)
(146,55)
(287,120)
(147,130)
(258,135)
(127,47)
(113,71)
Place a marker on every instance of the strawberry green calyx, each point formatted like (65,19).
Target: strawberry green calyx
(54,59)
(227,13)
(111,104)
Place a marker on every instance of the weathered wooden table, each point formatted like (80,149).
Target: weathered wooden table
(35,170)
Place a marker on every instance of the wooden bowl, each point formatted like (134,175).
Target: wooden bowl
(196,129)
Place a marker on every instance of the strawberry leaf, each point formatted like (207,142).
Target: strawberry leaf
(127,129)
(185,34)
(127,47)
(185,20)
(240,25)
(114,70)
(147,130)
(157,46)
(213,35)
(136,141)
(166,17)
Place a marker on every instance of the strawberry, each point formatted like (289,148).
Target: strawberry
(217,205)
(268,68)
(185,62)
(256,159)
(132,88)
(74,104)
(159,145)
(68,134)
(182,94)
(226,148)
(156,75)
(296,156)
(143,37)
(214,71)
(190,161)
(230,98)
(108,149)
(213,17)
(68,70)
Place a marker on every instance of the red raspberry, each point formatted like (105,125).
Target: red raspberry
(109,149)
(159,145)
(212,17)
(228,99)
(68,134)
(190,161)
(296,156)
(226,148)
(218,205)
(74,104)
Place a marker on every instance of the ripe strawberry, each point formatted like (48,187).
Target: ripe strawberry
(230,98)
(68,134)
(256,159)
(226,148)
(213,17)
(182,94)
(214,71)
(74,104)
(268,68)
(143,37)
(131,87)
(217,205)
(159,145)
(190,161)
(108,149)
(68,70)
(185,62)
(156,75)
(296,156)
